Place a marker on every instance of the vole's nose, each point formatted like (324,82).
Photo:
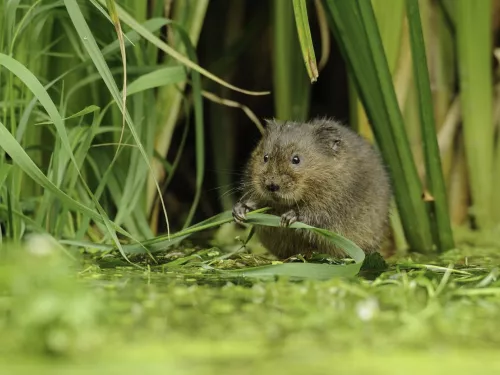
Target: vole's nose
(272,187)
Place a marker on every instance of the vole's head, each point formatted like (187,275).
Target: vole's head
(293,161)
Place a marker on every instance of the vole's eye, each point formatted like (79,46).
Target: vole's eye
(266,158)
(295,160)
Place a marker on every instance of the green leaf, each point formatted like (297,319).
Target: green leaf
(305,39)
(299,271)
(354,26)
(474,43)
(4,172)
(161,77)
(21,158)
(292,88)
(434,173)
(83,112)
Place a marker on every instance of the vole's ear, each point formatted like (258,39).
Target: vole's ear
(271,125)
(327,132)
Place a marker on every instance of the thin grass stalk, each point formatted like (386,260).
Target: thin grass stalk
(442,64)
(290,81)
(305,39)
(474,40)
(324,34)
(496,161)
(496,182)
(443,236)
(447,138)
(282,41)
(459,187)
(442,69)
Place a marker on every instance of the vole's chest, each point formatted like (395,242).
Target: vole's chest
(279,210)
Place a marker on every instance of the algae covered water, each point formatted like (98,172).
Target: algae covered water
(64,316)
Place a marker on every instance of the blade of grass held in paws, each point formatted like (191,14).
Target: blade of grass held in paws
(434,174)
(274,221)
(305,270)
(297,270)
(305,39)
(162,242)
(257,217)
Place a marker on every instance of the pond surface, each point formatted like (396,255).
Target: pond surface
(60,317)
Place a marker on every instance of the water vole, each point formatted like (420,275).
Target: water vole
(320,173)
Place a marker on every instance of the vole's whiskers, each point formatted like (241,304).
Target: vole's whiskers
(246,194)
(227,171)
(229,192)
(220,187)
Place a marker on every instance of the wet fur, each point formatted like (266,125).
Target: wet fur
(340,184)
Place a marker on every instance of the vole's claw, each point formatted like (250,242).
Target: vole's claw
(239,212)
(288,218)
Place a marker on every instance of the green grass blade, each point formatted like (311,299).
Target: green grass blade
(474,42)
(355,28)
(9,144)
(93,50)
(146,34)
(305,39)
(291,86)
(132,37)
(293,271)
(161,77)
(434,173)
(116,22)
(4,172)
(274,221)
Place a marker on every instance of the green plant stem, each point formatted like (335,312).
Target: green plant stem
(439,206)
(354,26)
(291,84)
(474,39)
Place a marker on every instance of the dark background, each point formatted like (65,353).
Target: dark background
(247,64)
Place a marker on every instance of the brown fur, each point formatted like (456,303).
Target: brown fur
(340,184)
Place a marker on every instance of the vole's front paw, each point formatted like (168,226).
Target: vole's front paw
(240,211)
(288,218)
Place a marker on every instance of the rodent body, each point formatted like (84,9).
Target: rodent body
(322,174)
